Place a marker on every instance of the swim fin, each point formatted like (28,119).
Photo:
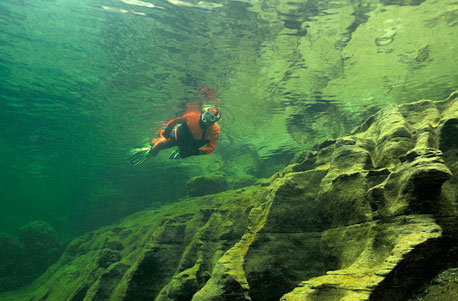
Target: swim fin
(175,155)
(139,155)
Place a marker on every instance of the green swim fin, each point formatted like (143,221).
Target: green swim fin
(139,155)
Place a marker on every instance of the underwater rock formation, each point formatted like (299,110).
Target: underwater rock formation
(41,246)
(24,258)
(204,185)
(369,216)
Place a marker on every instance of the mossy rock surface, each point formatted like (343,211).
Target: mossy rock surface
(204,185)
(25,257)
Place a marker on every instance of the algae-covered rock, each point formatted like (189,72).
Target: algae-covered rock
(41,246)
(369,216)
(25,257)
(403,240)
(442,287)
(242,182)
(203,185)
(167,254)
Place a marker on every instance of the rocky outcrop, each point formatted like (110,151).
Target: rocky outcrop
(24,258)
(387,205)
(369,216)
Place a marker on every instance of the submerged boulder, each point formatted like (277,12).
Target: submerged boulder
(24,258)
(369,216)
(209,184)
(41,245)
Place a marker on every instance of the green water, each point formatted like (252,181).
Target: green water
(82,82)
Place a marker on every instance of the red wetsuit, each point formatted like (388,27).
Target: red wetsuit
(190,134)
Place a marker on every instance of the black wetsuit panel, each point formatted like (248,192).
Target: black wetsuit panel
(185,139)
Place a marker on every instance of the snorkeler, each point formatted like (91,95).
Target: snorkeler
(195,133)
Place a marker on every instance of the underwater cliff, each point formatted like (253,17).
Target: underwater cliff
(369,216)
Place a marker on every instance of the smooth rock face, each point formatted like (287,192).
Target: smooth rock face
(370,216)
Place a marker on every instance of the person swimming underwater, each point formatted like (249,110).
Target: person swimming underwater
(195,134)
